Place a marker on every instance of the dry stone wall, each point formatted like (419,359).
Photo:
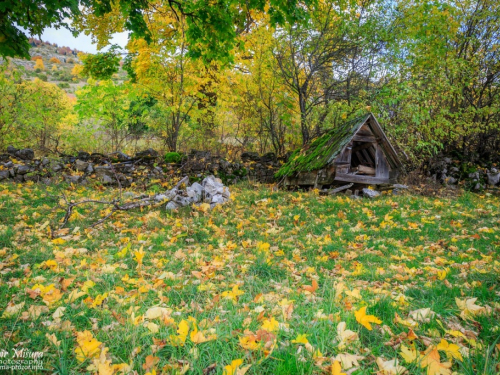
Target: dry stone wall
(21,165)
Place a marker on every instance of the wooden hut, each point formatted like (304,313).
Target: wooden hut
(356,152)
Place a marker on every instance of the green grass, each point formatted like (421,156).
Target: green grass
(394,255)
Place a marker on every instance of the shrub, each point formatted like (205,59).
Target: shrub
(55,60)
(43,77)
(172,157)
(63,85)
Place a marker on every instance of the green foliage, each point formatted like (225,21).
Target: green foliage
(102,65)
(172,157)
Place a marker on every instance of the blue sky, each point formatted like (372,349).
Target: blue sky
(83,42)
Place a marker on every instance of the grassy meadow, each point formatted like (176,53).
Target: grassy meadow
(271,283)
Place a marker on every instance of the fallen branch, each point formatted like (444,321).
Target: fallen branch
(138,202)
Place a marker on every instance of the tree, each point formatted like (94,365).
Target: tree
(107,105)
(43,110)
(39,64)
(212,27)
(165,72)
(443,91)
(319,60)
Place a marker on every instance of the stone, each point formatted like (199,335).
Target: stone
(399,186)
(4,175)
(172,206)
(26,154)
(9,164)
(370,193)
(32,177)
(494,170)
(12,150)
(82,155)
(81,165)
(45,161)
(454,170)
(23,169)
(122,156)
(195,191)
(349,192)
(56,167)
(450,180)
(19,178)
(72,179)
(249,156)
(90,168)
(493,178)
(212,185)
(149,153)
(474,176)
(107,180)
(270,157)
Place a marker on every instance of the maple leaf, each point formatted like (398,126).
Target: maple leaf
(311,288)
(12,309)
(336,369)
(233,294)
(139,256)
(422,315)
(53,339)
(300,339)
(88,346)
(432,361)
(348,360)
(469,307)
(409,354)
(231,368)
(249,342)
(390,367)
(451,350)
(270,325)
(345,336)
(364,319)
(157,312)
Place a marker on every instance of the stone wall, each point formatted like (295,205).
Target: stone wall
(119,168)
(452,172)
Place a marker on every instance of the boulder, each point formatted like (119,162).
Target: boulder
(370,193)
(81,165)
(493,178)
(12,150)
(82,155)
(149,153)
(4,175)
(270,157)
(249,156)
(195,192)
(23,169)
(25,154)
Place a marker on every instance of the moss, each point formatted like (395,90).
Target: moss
(172,157)
(322,150)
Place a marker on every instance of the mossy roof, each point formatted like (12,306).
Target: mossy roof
(323,149)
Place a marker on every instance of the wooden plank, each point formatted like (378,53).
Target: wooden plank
(361,158)
(363,169)
(362,146)
(347,177)
(368,157)
(339,189)
(382,166)
(364,138)
(345,156)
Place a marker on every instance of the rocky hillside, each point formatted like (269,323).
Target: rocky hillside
(58,64)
